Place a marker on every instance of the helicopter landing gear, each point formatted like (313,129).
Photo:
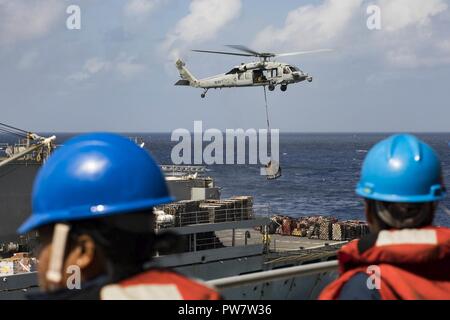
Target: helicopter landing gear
(283,87)
(271,87)
(204,93)
(309,79)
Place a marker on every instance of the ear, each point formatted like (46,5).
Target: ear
(83,253)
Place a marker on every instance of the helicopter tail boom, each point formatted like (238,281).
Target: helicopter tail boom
(187,78)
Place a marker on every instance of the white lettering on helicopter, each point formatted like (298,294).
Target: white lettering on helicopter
(213,152)
(73,21)
(374,20)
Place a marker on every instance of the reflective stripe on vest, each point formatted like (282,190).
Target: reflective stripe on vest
(141,292)
(406,236)
(159,284)
(413,263)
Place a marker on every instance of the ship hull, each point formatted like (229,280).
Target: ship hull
(307,287)
(16,182)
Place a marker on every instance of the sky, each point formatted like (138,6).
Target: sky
(117,73)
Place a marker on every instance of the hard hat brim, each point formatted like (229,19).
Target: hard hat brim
(38,219)
(397,198)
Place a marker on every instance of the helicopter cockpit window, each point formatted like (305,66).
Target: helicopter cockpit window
(293,69)
(286,70)
(233,71)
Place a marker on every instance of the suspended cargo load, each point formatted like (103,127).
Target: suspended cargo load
(272,170)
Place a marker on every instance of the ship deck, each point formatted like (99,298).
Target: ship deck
(278,243)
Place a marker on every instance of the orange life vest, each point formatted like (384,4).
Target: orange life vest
(413,264)
(158,284)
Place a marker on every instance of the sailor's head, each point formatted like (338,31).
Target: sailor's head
(401,182)
(93,208)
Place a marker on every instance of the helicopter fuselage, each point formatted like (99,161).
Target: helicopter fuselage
(255,74)
(259,73)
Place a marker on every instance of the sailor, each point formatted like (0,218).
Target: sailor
(92,205)
(405,256)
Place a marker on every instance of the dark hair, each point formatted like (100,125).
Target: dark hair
(401,215)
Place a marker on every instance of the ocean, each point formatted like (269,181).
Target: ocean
(319,172)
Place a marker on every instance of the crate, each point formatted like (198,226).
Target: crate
(213,212)
(338,232)
(286,227)
(244,206)
(325,229)
(299,232)
(313,231)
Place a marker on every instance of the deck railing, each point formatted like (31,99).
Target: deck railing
(213,214)
(272,275)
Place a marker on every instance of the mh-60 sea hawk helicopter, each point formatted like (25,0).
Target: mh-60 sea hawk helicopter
(258,73)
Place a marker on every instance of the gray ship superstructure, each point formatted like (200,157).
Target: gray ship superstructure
(19,164)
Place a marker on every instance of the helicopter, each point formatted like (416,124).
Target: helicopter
(264,72)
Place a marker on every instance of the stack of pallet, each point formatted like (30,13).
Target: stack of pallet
(355,229)
(318,227)
(313,231)
(325,227)
(173,209)
(223,210)
(192,213)
(186,212)
(300,229)
(244,206)
(287,226)
(232,209)
(350,229)
(232,212)
(338,231)
(214,211)
(276,225)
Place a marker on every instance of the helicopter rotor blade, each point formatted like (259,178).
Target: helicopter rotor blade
(223,52)
(244,49)
(301,52)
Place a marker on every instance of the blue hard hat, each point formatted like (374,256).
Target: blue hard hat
(401,168)
(95,175)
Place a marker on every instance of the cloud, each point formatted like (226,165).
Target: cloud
(399,14)
(406,57)
(206,18)
(91,67)
(25,20)
(411,35)
(140,8)
(128,67)
(124,65)
(310,26)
